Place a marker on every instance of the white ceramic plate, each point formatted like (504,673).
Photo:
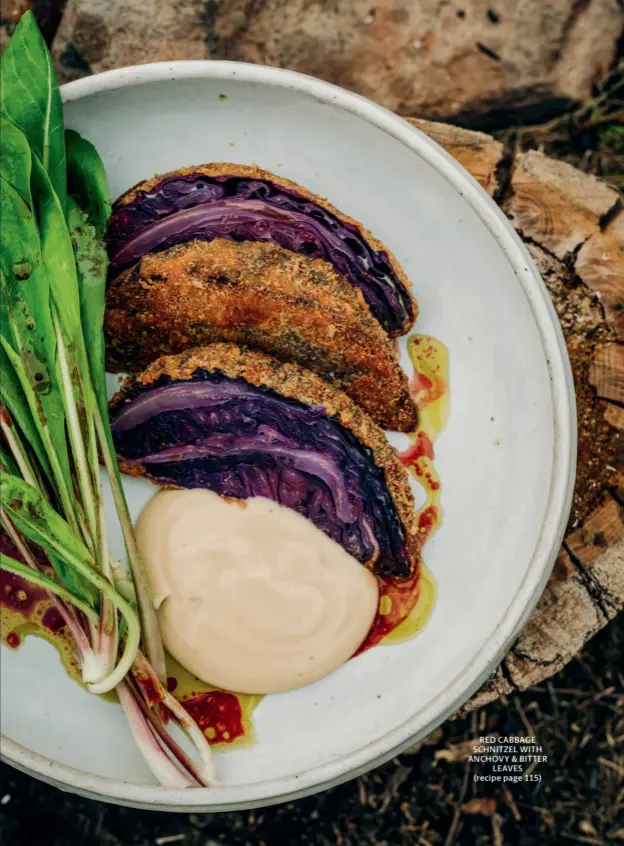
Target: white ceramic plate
(506,458)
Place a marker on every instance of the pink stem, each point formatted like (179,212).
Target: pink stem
(166,738)
(142,673)
(156,758)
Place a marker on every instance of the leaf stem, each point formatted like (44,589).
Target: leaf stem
(75,434)
(160,729)
(158,761)
(16,448)
(65,495)
(141,670)
(151,632)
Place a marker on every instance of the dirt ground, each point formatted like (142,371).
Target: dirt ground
(427,798)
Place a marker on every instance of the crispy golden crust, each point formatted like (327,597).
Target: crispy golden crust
(289,380)
(252,172)
(267,298)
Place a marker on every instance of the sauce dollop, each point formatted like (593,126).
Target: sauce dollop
(251,596)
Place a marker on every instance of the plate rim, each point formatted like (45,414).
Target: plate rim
(475,672)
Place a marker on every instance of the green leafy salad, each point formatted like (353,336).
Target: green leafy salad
(55,434)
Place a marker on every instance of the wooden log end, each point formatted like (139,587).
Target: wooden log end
(556,205)
(600,266)
(604,528)
(606,371)
(478,153)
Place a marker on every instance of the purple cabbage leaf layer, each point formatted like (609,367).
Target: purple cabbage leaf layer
(196,207)
(240,441)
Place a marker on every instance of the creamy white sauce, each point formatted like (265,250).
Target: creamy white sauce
(251,596)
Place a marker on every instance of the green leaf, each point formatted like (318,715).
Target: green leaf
(86,180)
(91,264)
(72,364)
(13,397)
(88,210)
(7,465)
(75,583)
(21,260)
(58,254)
(38,521)
(30,97)
(28,338)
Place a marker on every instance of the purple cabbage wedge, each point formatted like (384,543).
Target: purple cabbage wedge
(208,430)
(247,204)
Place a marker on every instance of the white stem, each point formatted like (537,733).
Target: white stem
(149,624)
(105,563)
(93,668)
(107,641)
(18,453)
(156,758)
(117,675)
(93,632)
(84,529)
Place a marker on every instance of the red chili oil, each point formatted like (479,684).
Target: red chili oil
(16,594)
(421,448)
(52,620)
(397,598)
(404,605)
(13,640)
(219,714)
(26,609)
(224,717)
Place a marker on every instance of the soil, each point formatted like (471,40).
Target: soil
(427,798)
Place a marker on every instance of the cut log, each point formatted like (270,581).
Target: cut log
(600,265)
(583,325)
(554,204)
(614,415)
(604,528)
(479,153)
(558,209)
(606,372)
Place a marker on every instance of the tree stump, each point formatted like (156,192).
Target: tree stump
(573,226)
